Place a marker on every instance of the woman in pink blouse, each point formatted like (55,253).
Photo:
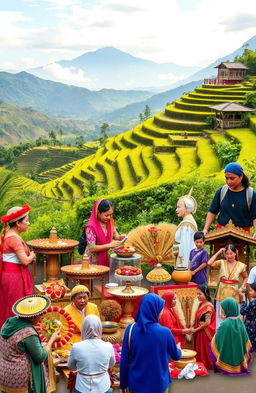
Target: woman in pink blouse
(100,232)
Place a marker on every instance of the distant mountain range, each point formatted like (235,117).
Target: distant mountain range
(22,124)
(112,68)
(63,101)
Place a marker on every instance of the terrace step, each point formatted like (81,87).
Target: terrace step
(176,113)
(209,100)
(166,122)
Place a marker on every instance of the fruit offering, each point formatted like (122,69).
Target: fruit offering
(55,319)
(49,326)
(158,274)
(128,270)
(124,249)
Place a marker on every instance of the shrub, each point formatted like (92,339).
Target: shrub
(227,152)
(210,120)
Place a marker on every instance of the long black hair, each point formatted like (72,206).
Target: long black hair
(245,181)
(104,206)
(206,292)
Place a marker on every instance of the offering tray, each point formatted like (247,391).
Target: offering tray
(52,248)
(128,294)
(78,271)
(85,273)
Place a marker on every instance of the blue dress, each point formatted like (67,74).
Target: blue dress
(250,320)
(144,368)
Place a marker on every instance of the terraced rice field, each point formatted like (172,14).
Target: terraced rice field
(173,144)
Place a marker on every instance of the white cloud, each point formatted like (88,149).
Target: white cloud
(162,32)
(29,62)
(70,75)
(167,77)
(54,4)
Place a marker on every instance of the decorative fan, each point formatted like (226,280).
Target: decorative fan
(154,243)
(54,319)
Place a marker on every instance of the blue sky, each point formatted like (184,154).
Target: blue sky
(190,32)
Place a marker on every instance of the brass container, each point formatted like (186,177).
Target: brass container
(181,275)
(188,356)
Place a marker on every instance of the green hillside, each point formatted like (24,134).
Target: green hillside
(19,124)
(64,101)
(50,157)
(173,144)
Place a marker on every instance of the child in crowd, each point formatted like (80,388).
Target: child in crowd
(249,311)
(198,260)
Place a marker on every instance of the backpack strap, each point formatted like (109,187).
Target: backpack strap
(223,191)
(129,337)
(249,196)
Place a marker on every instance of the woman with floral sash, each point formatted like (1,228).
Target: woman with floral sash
(231,347)
(204,330)
(100,233)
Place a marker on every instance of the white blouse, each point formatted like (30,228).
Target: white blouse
(91,357)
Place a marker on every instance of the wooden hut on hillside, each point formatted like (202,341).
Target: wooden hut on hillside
(229,114)
(228,74)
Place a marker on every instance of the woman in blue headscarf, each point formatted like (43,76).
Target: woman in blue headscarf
(147,349)
(235,201)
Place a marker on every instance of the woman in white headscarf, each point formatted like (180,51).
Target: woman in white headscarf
(92,358)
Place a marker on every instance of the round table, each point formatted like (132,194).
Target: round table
(86,275)
(128,293)
(53,250)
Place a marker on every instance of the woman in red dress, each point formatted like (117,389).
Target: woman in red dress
(170,318)
(15,278)
(205,326)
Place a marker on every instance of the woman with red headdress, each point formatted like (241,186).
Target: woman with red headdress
(169,318)
(100,233)
(15,278)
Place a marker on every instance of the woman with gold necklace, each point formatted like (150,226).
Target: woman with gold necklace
(232,276)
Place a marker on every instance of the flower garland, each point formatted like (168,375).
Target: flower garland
(68,334)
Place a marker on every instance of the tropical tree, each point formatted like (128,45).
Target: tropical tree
(61,133)
(53,137)
(104,132)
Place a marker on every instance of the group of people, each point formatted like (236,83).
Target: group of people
(158,333)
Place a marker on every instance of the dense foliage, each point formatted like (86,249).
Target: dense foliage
(154,205)
(248,58)
(227,152)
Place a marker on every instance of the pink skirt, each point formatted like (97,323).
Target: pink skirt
(16,282)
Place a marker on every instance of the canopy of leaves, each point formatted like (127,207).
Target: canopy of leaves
(248,58)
